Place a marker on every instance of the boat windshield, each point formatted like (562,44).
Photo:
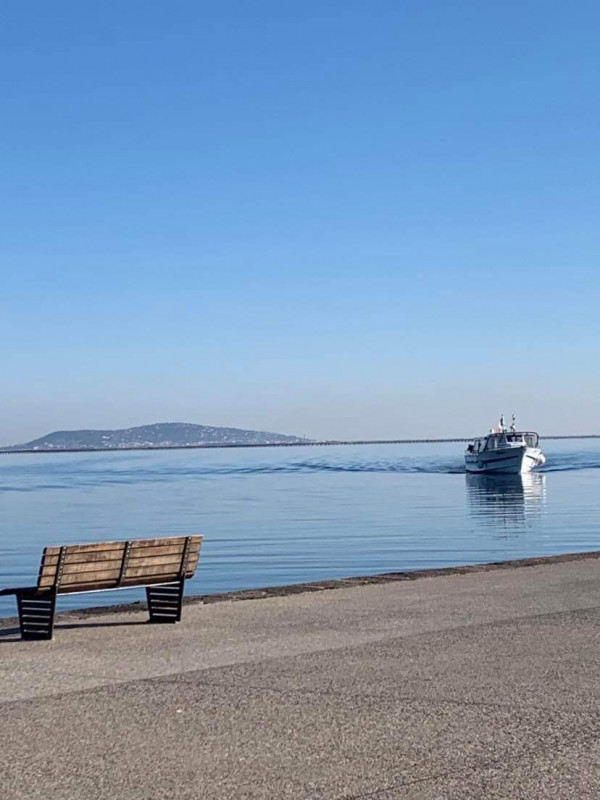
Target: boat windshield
(492,442)
(530,439)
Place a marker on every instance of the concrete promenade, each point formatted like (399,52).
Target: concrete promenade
(476,685)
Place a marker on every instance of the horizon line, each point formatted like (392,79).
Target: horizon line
(307,443)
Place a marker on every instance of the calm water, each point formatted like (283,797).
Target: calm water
(276,516)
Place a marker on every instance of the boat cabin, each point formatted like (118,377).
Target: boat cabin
(502,440)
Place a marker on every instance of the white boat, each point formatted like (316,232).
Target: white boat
(505,451)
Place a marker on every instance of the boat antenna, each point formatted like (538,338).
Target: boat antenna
(502,426)
(512,424)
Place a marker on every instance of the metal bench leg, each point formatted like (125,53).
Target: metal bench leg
(36,615)
(165,601)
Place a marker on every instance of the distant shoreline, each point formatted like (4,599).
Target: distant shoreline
(322,443)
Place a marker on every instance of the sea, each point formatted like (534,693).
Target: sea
(275,516)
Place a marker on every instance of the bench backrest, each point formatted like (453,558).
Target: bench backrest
(113,565)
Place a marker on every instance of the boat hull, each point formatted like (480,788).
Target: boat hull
(509,461)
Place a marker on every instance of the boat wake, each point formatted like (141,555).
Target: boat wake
(111,471)
(575,464)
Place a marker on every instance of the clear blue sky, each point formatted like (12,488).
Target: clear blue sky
(328,217)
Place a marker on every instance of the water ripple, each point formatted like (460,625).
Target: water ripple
(110,471)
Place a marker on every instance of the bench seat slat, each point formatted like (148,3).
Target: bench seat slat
(84,577)
(88,586)
(73,569)
(163,550)
(97,547)
(83,588)
(86,573)
(136,577)
(165,577)
(137,544)
(172,568)
(85,558)
(154,561)
(69,568)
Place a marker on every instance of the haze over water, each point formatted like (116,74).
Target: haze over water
(277,515)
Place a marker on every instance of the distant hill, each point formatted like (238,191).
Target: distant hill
(162,434)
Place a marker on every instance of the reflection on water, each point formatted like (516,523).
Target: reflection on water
(506,501)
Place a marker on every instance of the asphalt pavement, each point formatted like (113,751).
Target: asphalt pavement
(476,685)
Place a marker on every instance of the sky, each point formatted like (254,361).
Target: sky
(329,218)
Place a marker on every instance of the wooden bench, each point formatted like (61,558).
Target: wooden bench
(161,565)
